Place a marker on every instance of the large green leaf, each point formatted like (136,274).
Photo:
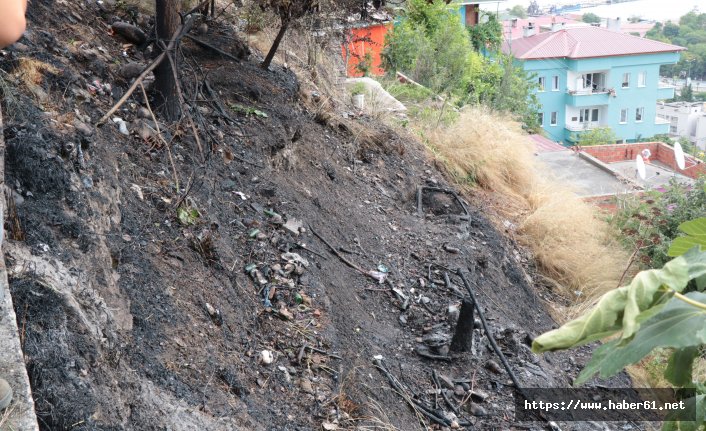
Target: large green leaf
(695,227)
(625,307)
(683,244)
(679,368)
(678,325)
(696,231)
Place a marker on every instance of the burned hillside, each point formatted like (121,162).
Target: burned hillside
(246,280)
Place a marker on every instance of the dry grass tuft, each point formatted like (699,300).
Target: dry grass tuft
(31,71)
(572,245)
(482,148)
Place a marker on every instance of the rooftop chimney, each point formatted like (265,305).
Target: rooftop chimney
(530,30)
(556,26)
(613,24)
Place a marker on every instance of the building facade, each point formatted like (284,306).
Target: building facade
(469,10)
(591,77)
(686,119)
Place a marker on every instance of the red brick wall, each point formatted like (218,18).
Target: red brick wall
(660,152)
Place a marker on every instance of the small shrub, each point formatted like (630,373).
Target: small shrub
(358,88)
(597,136)
(650,223)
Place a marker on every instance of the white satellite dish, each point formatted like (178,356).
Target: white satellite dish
(679,156)
(640,165)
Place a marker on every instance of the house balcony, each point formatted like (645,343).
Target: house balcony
(665,91)
(583,127)
(574,130)
(582,98)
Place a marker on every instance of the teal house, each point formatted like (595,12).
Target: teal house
(592,77)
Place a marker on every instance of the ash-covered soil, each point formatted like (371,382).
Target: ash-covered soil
(148,308)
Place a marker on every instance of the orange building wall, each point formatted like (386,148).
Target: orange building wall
(367,39)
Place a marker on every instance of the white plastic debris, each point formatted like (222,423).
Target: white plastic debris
(266,357)
(122,125)
(379,276)
(295,258)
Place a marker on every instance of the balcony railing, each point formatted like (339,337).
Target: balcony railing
(590,91)
(589,97)
(581,127)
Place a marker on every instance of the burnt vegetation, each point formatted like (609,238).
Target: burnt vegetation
(164,267)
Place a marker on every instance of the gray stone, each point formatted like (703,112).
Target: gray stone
(83,128)
(477,410)
(130,70)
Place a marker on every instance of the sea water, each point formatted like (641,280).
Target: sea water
(657,10)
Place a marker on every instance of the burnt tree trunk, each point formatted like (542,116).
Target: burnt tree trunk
(273,50)
(166,98)
(463,336)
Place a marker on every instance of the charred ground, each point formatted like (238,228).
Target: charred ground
(134,318)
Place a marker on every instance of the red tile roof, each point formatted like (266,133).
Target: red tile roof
(546,145)
(584,42)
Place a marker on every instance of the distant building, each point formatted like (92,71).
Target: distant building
(362,51)
(592,77)
(516,28)
(637,28)
(470,10)
(686,119)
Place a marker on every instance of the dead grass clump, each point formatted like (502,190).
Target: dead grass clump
(484,149)
(31,71)
(572,245)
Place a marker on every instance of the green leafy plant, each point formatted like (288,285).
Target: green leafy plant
(487,34)
(649,224)
(247,110)
(695,231)
(365,64)
(432,47)
(188,215)
(597,136)
(650,313)
(357,88)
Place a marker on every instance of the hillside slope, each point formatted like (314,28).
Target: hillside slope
(139,306)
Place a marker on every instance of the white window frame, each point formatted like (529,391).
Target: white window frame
(584,115)
(642,79)
(639,113)
(542,84)
(555,83)
(624,114)
(554,118)
(541,118)
(626,80)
